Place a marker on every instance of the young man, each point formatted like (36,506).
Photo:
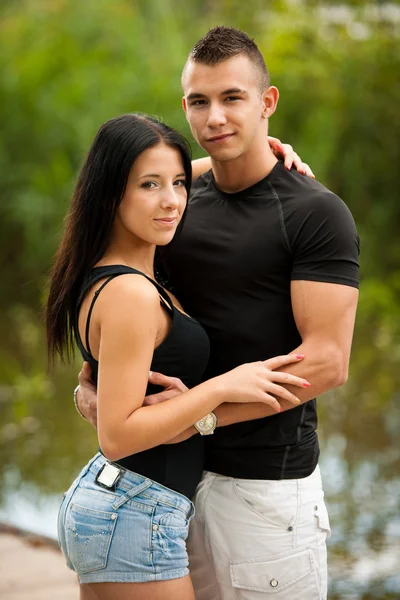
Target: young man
(268,262)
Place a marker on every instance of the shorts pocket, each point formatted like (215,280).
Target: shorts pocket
(275,505)
(170,529)
(285,576)
(88,537)
(173,518)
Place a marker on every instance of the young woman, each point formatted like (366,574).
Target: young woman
(124,521)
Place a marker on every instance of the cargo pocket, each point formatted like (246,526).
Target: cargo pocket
(88,539)
(285,576)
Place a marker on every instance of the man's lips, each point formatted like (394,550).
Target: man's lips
(220,138)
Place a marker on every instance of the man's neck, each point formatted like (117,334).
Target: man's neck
(243,172)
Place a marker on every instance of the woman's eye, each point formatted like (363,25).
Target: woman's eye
(148,184)
(180,182)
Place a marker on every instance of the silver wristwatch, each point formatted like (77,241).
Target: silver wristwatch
(207,424)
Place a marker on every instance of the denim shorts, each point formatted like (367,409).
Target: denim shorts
(135,533)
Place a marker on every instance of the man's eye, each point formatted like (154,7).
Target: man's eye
(198,102)
(233,98)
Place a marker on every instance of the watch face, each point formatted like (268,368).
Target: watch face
(207,424)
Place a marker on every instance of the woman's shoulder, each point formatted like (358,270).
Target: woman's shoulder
(127,292)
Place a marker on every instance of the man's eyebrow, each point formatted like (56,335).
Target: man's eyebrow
(234,91)
(197,96)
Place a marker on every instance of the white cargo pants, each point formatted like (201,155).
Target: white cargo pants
(258,540)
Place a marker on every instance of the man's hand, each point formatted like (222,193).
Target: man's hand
(286,153)
(173,387)
(87,395)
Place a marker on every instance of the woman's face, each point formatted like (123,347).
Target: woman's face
(155,196)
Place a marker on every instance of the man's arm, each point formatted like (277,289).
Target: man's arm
(325,315)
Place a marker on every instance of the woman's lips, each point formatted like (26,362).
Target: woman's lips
(168,221)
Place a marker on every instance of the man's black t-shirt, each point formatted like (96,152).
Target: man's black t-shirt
(231,267)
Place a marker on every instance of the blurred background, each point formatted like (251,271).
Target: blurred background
(66,66)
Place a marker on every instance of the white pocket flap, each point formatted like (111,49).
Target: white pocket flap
(271,576)
(323,518)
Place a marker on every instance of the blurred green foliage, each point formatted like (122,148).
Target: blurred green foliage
(66,66)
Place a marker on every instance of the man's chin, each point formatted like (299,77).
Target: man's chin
(223,155)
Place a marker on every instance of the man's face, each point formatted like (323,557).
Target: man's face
(224,106)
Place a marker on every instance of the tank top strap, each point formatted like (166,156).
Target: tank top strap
(110,272)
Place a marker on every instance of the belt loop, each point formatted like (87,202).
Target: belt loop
(132,493)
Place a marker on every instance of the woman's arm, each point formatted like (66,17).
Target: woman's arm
(127,339)
(284,152)
(200,166)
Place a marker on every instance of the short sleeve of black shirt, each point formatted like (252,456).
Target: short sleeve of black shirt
(320,232)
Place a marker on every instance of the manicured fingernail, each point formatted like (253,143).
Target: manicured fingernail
(298,401)
(150,373)
(306,384)
(280,147)
(288,168)
(280,409)
(299,356)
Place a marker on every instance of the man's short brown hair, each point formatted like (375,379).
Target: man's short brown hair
(222,43)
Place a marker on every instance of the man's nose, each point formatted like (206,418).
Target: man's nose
(216,116)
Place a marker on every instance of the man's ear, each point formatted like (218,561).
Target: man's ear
(184,105)
(270,100)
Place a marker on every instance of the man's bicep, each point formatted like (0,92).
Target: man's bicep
(325,312)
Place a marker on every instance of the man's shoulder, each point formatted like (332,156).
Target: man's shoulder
(303,194)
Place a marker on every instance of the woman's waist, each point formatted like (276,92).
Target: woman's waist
(117,479)
(176,466)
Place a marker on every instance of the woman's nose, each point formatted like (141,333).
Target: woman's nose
(170,198)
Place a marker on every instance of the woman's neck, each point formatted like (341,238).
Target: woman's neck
(140,257)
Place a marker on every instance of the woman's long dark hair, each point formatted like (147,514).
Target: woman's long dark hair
(98,193)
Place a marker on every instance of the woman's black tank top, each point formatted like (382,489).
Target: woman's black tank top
(184,353)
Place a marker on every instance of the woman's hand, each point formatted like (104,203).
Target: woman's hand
(286,153)
(251,382)
(259,382)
